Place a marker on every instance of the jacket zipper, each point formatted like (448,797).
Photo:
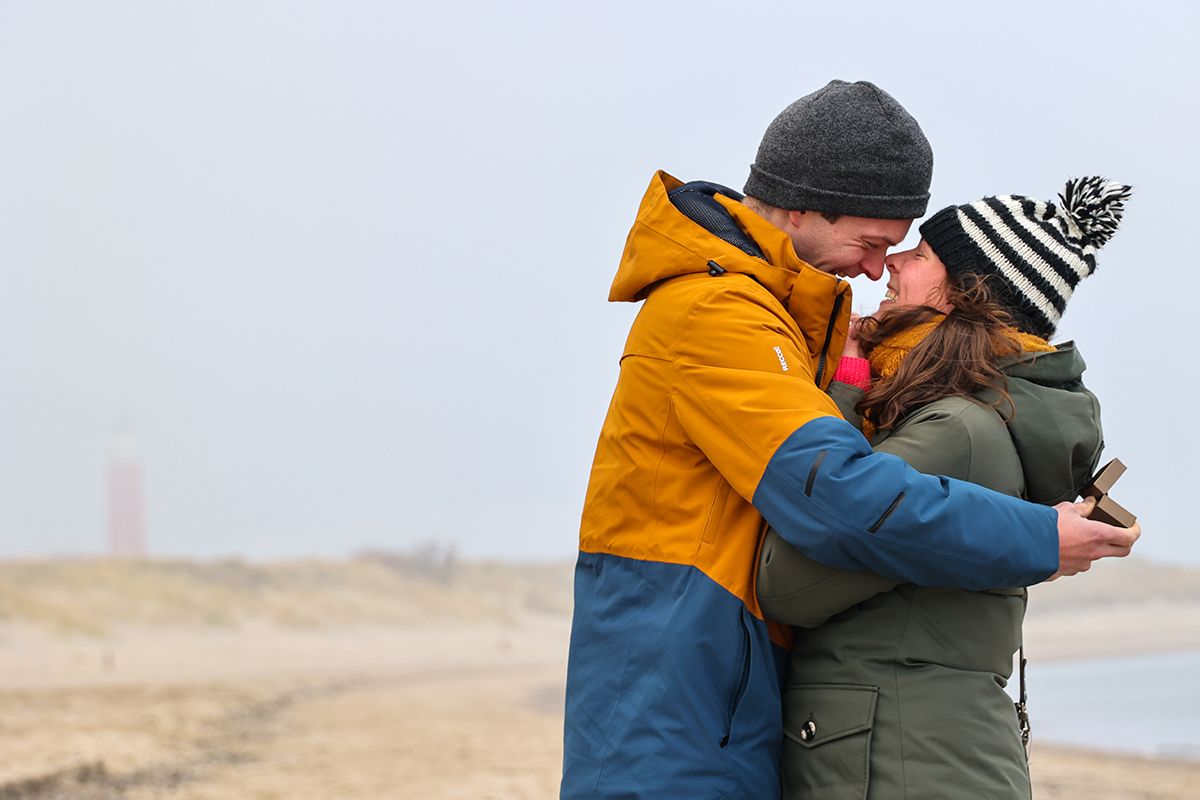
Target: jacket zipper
(879,522)
(743,680)
(824,357)
(812,473)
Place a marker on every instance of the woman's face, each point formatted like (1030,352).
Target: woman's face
(916,277)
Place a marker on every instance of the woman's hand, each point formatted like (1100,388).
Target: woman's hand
(853,349)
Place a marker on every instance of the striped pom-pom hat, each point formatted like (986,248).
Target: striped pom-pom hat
(1035,252)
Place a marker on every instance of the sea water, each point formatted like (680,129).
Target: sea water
(1146,704)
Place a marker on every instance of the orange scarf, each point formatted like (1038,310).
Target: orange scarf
(887,356)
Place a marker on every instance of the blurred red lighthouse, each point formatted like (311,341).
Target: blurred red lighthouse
(126,502)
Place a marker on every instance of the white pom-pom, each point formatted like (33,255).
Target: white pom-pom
(1095,205)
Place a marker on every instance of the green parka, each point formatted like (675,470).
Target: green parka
(895,690)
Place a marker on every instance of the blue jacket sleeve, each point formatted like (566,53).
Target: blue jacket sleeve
(828,495)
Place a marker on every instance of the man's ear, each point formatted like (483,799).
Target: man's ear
(797,219)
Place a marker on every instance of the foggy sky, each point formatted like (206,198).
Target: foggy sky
(342,267)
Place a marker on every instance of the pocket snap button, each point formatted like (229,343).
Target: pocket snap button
(808,732)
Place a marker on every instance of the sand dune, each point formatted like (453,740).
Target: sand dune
(98,596)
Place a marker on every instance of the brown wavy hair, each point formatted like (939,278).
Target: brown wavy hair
(960,357)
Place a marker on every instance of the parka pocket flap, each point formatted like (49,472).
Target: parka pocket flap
(1015,591)
(820,713)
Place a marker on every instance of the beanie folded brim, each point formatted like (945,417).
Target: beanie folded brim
(781,193)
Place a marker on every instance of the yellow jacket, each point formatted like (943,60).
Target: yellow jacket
(747,341)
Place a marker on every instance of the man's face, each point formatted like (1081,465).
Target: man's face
(850,247)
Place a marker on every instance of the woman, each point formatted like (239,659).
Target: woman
(897,690)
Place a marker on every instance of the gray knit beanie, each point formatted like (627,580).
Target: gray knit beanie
(848,148)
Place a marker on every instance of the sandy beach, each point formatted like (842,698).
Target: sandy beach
(365,698)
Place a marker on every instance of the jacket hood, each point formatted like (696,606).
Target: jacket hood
(1055,423)
(664,243)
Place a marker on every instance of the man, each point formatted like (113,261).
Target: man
(719,421)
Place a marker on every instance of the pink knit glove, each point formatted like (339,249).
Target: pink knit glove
(854,371)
